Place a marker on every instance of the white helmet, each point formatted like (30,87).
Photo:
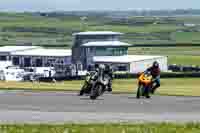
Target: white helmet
(102,66)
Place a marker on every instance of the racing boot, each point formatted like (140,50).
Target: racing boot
(148,96)
(109,89)
(81,93)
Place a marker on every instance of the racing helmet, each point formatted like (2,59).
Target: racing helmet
(155,64)
(102,66)
(89,68)
(96,65)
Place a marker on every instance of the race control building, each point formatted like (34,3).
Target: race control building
(105,47)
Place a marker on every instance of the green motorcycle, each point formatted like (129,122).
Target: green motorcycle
(87,86)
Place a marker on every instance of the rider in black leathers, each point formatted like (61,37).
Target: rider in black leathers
(108,71)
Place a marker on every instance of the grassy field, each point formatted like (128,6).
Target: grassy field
(176,55)
(104,128)
(139,29)
(189,20)
(186,37)
(184,60)
(165,50)
(172,86)
(57,31)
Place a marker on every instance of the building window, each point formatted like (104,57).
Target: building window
(15,61)
(111,51)
(101,52)
(39,62)
(119,51)
(27,62)
(3,58)
(122,68)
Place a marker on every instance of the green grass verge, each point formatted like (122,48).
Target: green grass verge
(171,86)
(103,128)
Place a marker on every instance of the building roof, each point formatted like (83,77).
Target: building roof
(16,48)
(105,43)
(44,52)
(124,59)
(98,33)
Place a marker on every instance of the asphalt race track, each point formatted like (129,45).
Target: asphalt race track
(60,107)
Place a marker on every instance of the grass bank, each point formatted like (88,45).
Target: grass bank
(176,55)
(103,128)
(171,86)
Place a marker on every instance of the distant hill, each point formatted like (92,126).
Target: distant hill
(129,13)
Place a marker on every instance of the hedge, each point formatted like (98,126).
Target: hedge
(163,75)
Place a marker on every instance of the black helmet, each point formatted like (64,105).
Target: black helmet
(89,68)
(155,64)
(96,65)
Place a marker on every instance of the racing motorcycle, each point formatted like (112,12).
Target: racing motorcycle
(144,84)
(100,85)
(86,88)
(96,83)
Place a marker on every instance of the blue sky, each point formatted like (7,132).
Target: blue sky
(67,5)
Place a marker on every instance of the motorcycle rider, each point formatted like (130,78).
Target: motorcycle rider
(90,73)
(155,72)
(96,67)
(109,73)
(89,69)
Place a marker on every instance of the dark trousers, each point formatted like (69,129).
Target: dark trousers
(157,85)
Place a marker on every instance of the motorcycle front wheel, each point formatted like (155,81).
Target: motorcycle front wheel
(84,89)
(96,91)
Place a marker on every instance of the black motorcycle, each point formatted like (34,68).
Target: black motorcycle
(96,83)
(100,85)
